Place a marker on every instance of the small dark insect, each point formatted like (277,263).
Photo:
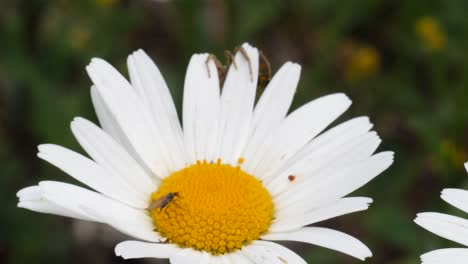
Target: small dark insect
(291,178)
(163,201)
(223,68)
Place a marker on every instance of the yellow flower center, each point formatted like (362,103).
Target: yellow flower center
(212,207)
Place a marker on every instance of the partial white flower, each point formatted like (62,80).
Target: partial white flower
(237,176)
(448,226)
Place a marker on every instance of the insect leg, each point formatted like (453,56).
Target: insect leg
(164,208)
(267,62)
(213,58)
(247,58)
(230,58)
(174,202)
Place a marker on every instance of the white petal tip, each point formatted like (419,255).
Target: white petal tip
(118,250)
(138,51)
(340,99)
(250,49)
(97,60)
(419,216)
(447,192)
(422,218)
(134,56)
(23,191)
(23,205)
(78,119)
(390,155)
(44,147)
(247,45)
(366,255)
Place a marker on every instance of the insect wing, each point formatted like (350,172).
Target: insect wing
(158,203)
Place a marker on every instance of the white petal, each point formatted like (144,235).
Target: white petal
(201,109)
(31,193)
(323,160)
(338,183)
(107,120)
(154,93)
(188,255)
(263,252)
(447,226)
(91,174)
(466,166)
(99,208)
(447,255)
(110,125)
(271,108)
(206,258)
(296,130)
(457,198)
(338,135)
(138,249)
(237,101)
(31,198)
(49,208)
(76,202)
(141,228)
(349,180)
(131,115)
(327,238)
(237,257)
(290,220)
(109,154)
(331,140)
(221,259)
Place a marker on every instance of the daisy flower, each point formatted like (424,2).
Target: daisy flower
(222,185)
(448,226)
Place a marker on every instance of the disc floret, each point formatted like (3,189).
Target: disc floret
(220,208)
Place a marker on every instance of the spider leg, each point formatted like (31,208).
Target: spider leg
(213,58)
(267,62)
(230,58)
(247,58)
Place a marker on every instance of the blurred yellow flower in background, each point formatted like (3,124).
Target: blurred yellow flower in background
(430,33)
(360,61)
(79,37)
(455,154)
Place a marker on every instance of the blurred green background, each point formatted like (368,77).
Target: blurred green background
(403,63)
